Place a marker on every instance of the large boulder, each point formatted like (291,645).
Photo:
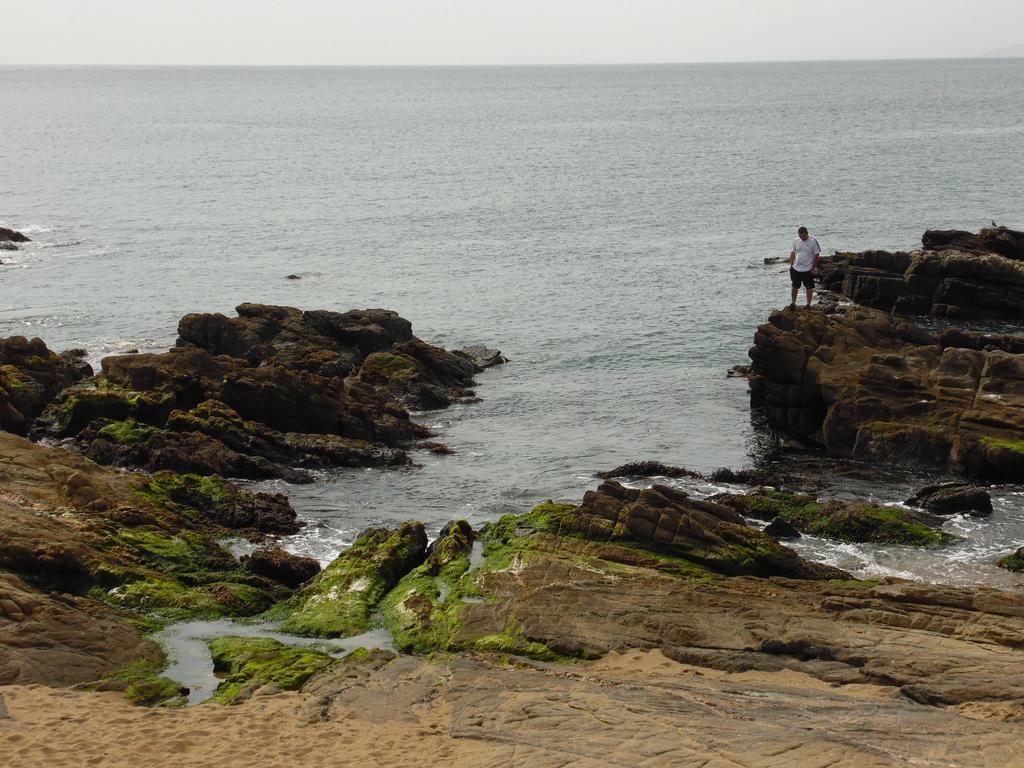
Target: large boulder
(953,498)
(958,274)
(863,384)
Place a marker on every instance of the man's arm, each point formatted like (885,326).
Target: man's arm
(792,257)
(817,257)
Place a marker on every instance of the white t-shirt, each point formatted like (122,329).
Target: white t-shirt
(805,251)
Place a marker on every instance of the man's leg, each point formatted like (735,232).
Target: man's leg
(810,295)
(792,296)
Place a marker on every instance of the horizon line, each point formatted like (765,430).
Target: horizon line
(534,64)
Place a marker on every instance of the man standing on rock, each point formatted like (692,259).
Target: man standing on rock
(803,265)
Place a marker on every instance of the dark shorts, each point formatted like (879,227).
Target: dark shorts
(806,279)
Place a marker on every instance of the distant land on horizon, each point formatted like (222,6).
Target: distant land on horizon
(1009,52)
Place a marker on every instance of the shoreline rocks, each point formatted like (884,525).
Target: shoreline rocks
(88,555)
(273,392)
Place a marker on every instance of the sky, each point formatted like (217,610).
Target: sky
(400,32)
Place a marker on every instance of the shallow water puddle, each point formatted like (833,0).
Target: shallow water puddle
(191,664)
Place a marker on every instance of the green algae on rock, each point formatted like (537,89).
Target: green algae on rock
(252,662)
(1013,562)
(340,601)
(142,684)
(667,521)
(220,501)
(422,611)
(843,521)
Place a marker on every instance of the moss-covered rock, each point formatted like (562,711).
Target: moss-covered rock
(220,501)
(422,611)
(341,599)
(142,684)
(666,521)
(1013,562)
(843,521)
(248,663)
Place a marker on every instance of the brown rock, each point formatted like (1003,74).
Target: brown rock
(30,377)
(959,274)
(284,567)
(865,385)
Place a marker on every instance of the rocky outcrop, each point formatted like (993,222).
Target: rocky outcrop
(10,235)
(31,376)
(271,393)
(639,708)
(375,344)
(646,469)
(866,385)
(81,545)
(957,275)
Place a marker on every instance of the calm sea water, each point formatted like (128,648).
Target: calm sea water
(604,226)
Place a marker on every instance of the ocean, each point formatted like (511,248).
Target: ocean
(604,226)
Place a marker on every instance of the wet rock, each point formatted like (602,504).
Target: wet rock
(738,372)
(647,469)
(422,610)
(780,528)
(758,476)
(11,235)
(7,246)
(222,502)
(953,498)
(835,519)
(865,385)
(251,665)
(293,277)
(481,356)
(145,544)
(284,567)
(270,393)
(667,520)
